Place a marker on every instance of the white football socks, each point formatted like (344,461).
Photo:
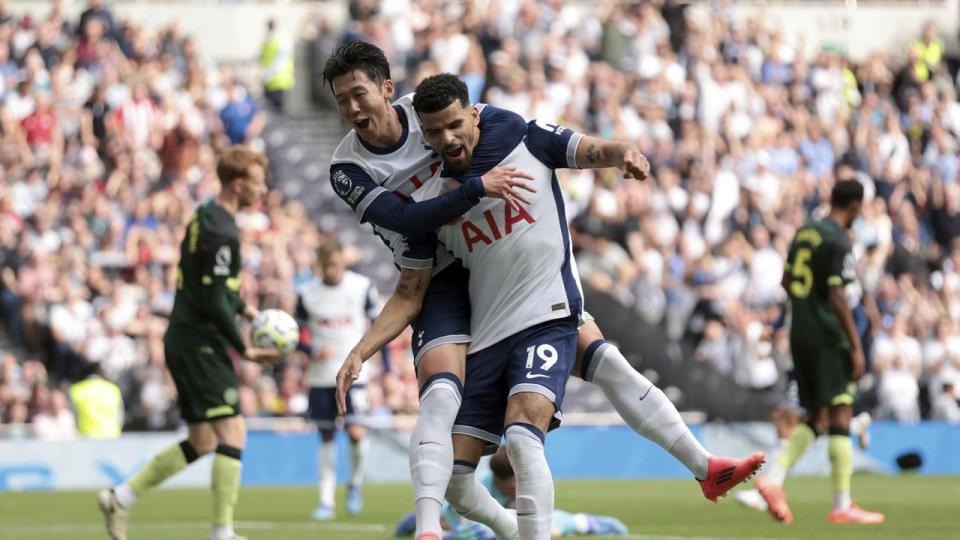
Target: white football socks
(431,450)
(472,501)
(534,482)
(645,408)
(358,451)
(125,495)
(328,474)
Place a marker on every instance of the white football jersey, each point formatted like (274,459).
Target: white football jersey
(522,270)
(337,316)
(400,169)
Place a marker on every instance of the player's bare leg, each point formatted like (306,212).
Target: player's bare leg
(468,496)
(527,420)
(115,503)
(440,374)
(358,450)
(651,414)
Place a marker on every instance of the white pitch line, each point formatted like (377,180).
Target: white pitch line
(175,525)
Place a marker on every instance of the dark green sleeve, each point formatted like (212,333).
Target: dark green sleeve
(837,252)
(219,264)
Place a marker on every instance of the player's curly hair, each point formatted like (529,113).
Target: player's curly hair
(357,56)
(437,92)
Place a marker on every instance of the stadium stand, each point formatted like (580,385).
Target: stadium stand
(110,131)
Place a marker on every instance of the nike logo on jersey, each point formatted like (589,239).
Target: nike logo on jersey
(474,233)
(537,376)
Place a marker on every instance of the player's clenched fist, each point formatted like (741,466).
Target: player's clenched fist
(503,183)
(635,165)
(348,373)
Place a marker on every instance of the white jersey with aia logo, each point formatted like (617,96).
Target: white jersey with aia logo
(337,316)
(522,271)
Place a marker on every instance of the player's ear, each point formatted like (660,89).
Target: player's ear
(388,89)
(475,115)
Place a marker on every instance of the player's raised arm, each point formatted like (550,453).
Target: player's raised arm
(562,148)
(375,204)
(596,153)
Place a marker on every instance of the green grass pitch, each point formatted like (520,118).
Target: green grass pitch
(916,507)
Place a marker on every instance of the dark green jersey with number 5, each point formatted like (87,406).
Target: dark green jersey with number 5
(819,258)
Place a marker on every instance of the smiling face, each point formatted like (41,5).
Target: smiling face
(363,103)
(452,132)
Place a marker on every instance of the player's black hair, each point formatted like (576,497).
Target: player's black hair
(437,92)
(845,193)
(500,466)
(357,56)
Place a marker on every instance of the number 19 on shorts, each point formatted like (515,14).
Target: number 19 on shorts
(545,353)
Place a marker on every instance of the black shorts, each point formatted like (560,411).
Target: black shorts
(824,375)
(323,406)
(445,315)
(204,376)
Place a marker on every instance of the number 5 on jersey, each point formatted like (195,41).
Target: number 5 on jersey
(802,280)
(546,353)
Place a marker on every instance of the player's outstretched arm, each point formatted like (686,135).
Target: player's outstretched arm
(596,153)
(402,307)
(413,219)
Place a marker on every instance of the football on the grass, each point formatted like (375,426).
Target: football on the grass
(275,329)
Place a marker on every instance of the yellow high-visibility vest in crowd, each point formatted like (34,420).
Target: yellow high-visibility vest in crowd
(98,406)
(930,55)
(276,59)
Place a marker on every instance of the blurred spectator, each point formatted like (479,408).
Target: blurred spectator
(276,61)
(746,127)
(56,422)
(98,404)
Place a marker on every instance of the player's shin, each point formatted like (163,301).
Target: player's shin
(226,488)
(643,406)
(840,450)
(800,439)
(431,449)
(534,481)
(358,451)
(328,478)
(472,501)
(167,463)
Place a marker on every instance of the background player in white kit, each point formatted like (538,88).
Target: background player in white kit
(336,306)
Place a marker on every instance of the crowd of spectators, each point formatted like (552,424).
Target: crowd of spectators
(746,131)
(110,132)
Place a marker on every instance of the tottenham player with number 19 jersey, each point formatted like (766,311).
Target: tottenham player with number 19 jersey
(524,290)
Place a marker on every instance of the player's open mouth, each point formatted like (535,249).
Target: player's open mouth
(362,124)
(454,151)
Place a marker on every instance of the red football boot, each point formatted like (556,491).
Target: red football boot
(725,473)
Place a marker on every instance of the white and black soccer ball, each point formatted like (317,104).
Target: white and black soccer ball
(275,329)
